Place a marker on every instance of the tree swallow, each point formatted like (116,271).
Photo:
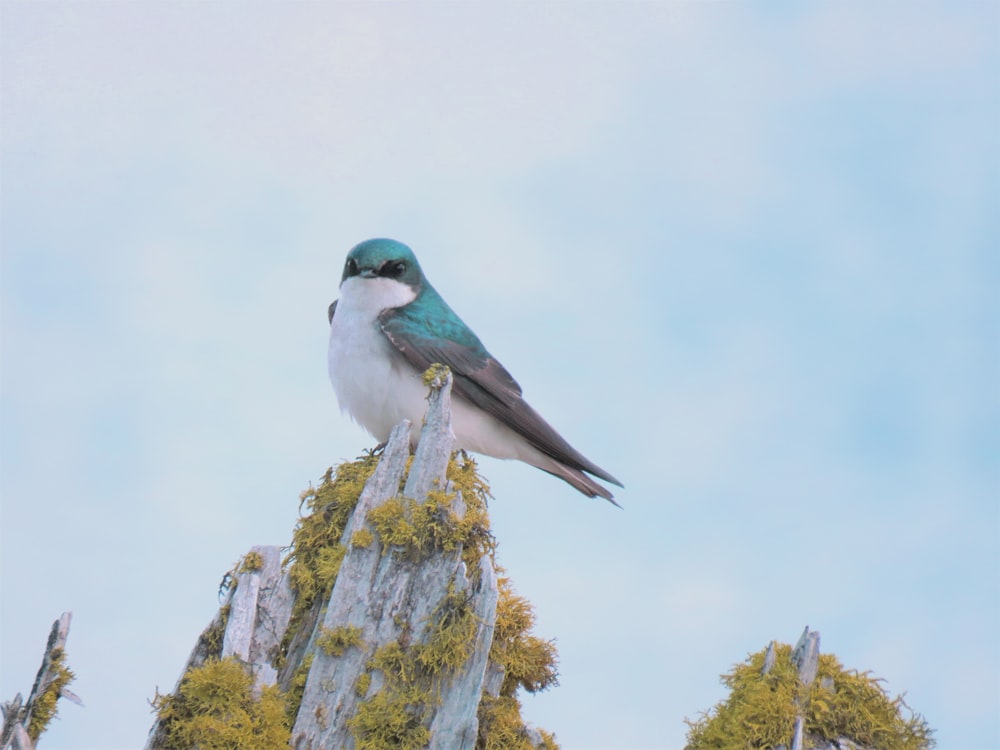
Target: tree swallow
(390,325)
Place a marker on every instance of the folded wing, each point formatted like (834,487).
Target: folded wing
(483,381)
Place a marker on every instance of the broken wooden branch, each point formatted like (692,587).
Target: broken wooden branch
(24,722)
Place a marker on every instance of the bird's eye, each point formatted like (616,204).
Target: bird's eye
(351,269)
(393,269)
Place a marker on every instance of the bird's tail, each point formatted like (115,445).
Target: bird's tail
(579,480)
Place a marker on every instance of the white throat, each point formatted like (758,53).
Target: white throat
(365,298)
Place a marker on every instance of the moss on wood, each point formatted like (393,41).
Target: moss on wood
(45,706)
(760,710)
(216,708)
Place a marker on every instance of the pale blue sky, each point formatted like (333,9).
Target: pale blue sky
(743,255)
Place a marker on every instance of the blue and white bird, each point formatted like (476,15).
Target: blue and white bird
(389,325)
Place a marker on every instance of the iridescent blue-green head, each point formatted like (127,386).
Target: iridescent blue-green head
(385,259)
(379,275)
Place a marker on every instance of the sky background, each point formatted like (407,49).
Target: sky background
(742,255)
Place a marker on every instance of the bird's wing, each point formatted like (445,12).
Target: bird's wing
(330,311)
(478,377)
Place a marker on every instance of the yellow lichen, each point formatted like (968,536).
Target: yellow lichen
(251,563)
(395,716)
(335,641)
(211,639)
(215,708)
(390,721)
(297,688)
(362,538)
(548,740)
(46,703)
(396,663)
(501,726)
(316,552)
(463,474)
(761,709)
(450,636)
(420,527)
(528,661)
(434,376)
(362,684)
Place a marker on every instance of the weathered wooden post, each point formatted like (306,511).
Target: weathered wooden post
(398,652)
(381,597)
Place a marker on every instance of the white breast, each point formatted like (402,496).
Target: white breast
(373,383)
(377,386)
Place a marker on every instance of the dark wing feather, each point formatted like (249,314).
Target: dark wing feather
(483,381)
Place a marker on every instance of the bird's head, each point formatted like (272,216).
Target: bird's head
(378,275)
(383,259)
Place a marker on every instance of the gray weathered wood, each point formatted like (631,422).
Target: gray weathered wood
(494,678)
(455,723)
(329,683)
(251,621)
(260,609)
(805,657)
(57,642)
(17,714)
(386,594)
(13,734)
(797,734)
(436,440)
(19,739)
(769,656)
